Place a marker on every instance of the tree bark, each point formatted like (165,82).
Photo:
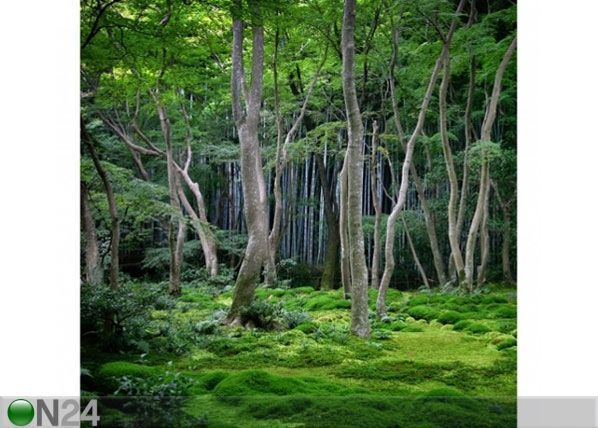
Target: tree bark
(453,234)
(375,268)
(176,222)
(343,228)
(354,169)
(252,176)
(93,265)
(331,259)
(114,220)
(420,268)
(485,135)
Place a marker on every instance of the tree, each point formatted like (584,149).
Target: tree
(93,262)
(400,201)
(354,179)
(485,135)
(253,183)
(115,221)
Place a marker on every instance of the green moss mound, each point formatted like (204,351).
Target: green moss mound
(423,312)
(326,301)
(256,383)
(450,317)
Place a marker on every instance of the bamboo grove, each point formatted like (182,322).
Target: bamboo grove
(354,145)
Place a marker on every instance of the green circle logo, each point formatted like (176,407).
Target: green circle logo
(20,412)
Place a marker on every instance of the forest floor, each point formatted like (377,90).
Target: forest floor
(438,360)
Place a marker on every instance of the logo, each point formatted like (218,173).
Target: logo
(47,412)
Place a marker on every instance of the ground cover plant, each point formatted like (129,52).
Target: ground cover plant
(420,367)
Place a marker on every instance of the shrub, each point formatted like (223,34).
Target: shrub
(293,319)
(307,327)
(381,335)
(332,332)
(126,311)
(450,317)
(264,315)
(157,399)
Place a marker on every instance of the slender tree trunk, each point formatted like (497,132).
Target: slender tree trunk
(281,161)
(484,239)
(176,225)
(419,186)
(400,203)
(114,220)
(485,135)
(506,245)
(354,170)
(199,219)
(453,233)
(344,237)
(252,176)
(93,265)
(375,269)
(331,259)
(420,267)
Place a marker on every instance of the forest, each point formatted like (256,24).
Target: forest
(299,213)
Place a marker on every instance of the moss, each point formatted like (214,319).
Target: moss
(412,328)
(423,312)
(418,300)
(477,328)
(494,298)
(506,326)
(505,311)
(462,325)
(125,368)
(508,343)
(262,383)
(443,392)
(210,380)
(307,327)
(450,317)
(326,301)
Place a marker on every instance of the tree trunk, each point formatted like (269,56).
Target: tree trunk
(114,221)
(419,186)
(281,161)
(453,233)
(343,235)
(93,265)
(375,268)
(331,259)
(354,169)
(506,246)
(485,135)
(252,176)
(400,203)
(175,239)
(420,267)
(484,239)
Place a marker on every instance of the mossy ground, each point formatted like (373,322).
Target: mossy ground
(438,360)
